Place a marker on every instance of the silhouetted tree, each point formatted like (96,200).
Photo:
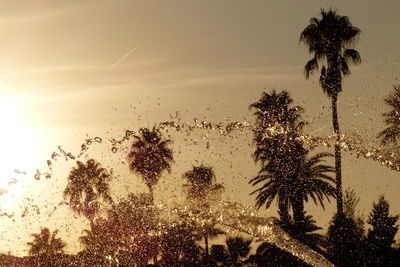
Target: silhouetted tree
(236,251)
(87,184)
(304,231)
(392,118)
(202,190)
(45,246)
(381,237)
(98,245)
(179,247)
(345,235)
(128,233)
(278,148)
(328,39)
(150,156)
(308,178)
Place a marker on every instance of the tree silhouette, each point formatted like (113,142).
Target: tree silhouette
(328,39)
(128,232)
(201,191)
(237,249)
(345,234)
(309,179)
(304,231)
(97,244)
(381,237)
(87,184)
(150,156)
(392,119)
(45,246)
(179,247)
(278,148)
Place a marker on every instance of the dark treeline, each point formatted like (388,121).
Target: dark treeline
(131,232)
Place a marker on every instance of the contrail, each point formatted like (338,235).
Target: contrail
(124,57)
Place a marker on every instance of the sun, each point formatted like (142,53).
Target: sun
(19,146)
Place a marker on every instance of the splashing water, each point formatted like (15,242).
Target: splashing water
(233,217)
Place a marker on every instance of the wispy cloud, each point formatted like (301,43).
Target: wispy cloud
(124,57)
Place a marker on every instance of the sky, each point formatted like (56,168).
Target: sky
(72,70)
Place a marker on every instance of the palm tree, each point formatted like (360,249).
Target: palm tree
(201,182)
(278,148)
(46,245)
(150,156)
(87,183)
(392,118)
(237,249)
(201,186)
(328,39)
(308,179)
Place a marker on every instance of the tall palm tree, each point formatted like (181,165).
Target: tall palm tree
(201,185)
(87,183)
(329,39)
(150,156)
(392,119)
(278,148)
(46,244)
(308,179)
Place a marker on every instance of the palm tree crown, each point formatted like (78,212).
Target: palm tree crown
(45,243)
(310,179)
(201,182)
(329,39)
(87,183)
(150,156)
(392,118)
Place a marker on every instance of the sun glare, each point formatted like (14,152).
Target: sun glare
(18,148)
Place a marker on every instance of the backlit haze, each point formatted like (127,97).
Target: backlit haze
(73,70)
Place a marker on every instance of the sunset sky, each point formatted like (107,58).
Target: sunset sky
(71,70)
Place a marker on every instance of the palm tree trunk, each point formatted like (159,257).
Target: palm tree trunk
(298,210)
(283,212)
(338,160)
(206,246)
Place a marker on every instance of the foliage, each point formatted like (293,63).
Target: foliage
(127,232)
(381,237)
(329,39)
(233,253)
(179,247)
(278,148)
(391,133)
(276,129)
(150,156)
(345,234)
(304,231)
(45,246)
(87,183)
(201,183)
(309,180)
(201,192)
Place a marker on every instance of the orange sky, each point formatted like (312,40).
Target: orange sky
(71,68)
